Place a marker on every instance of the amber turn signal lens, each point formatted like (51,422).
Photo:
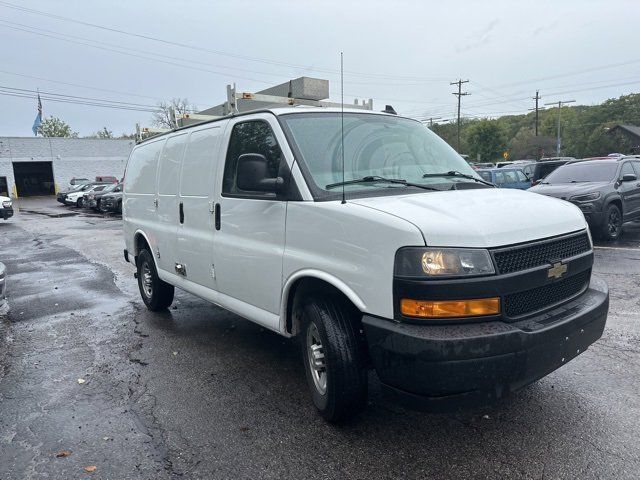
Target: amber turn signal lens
(449,308)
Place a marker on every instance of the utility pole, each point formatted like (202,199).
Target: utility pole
(459,94)
(560,104)
(536,98)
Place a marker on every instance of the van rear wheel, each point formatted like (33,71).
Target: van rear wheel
(334,357)
(156,294)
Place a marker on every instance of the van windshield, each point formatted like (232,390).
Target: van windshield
(374,146)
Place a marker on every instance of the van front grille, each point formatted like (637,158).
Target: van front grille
(530,301)
(523,257)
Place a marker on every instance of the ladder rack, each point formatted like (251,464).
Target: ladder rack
(230,108)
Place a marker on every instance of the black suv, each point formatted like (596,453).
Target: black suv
(607,191)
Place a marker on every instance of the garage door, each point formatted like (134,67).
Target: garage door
(33,178)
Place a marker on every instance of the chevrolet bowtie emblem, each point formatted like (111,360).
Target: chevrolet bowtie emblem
(557,270)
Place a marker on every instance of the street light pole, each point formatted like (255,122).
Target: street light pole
(560,104)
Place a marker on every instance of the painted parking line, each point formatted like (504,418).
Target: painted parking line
(633,249)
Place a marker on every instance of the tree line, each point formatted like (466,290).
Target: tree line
(584,131)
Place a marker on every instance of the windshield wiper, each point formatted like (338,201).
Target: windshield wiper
(455,173)
(376,178)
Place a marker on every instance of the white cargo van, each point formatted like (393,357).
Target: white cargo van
(404,261)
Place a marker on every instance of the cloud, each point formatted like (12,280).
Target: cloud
(479,38)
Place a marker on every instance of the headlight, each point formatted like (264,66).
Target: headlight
(6,203)
(442,262)
(587,197)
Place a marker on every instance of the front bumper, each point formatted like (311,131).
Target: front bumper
(109,204)
(6,213)
(592,211)
(444,367)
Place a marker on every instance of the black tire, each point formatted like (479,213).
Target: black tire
(612,223)
(79,202)
(119,207)
(157,295)
(344,355)
(97,207)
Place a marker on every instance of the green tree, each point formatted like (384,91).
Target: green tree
(485,138)
(525,145)
(54,127)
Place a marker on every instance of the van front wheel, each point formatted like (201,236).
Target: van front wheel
(156,294)
(334,358)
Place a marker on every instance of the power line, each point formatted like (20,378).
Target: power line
(208,50)
(61,100)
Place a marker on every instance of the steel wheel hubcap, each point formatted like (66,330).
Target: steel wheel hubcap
(147,281)
(317,364)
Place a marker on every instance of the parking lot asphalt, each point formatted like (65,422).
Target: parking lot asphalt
(198,392)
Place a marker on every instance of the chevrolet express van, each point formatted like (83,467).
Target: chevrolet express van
(375,243)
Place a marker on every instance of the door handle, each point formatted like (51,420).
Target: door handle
(181,213)
(217,216)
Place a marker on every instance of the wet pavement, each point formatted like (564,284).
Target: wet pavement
(198,392)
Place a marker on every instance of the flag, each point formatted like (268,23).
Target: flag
(38,120)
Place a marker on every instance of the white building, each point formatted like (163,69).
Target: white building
(42,166)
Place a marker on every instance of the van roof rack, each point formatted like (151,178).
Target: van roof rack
(230,108)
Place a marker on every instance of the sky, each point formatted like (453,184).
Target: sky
(402,53)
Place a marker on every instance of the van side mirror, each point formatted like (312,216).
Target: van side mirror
(253,174)
(629,177)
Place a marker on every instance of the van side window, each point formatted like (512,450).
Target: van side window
(170,164)
(199,159)
(141,169)
(250,137)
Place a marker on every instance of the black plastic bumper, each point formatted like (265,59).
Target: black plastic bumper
(445,367)
(6,213)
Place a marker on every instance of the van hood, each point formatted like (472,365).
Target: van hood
(481,218)
(4,199)
(567,190)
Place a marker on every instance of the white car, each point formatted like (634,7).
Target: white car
(77,198)
(376,244)
(6,207)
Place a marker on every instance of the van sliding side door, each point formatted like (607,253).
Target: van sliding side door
(194,211)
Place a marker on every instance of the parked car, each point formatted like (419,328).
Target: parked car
(6,207)
(76,182)
(111,202)
(92,199)
(477,166)
(107,179)
(77,198)
(506,177)
(606,191)
(400,259)
(537,171)
(78,188)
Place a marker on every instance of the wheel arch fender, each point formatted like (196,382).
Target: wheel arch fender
(319,278)
(140,239)
(616,199)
